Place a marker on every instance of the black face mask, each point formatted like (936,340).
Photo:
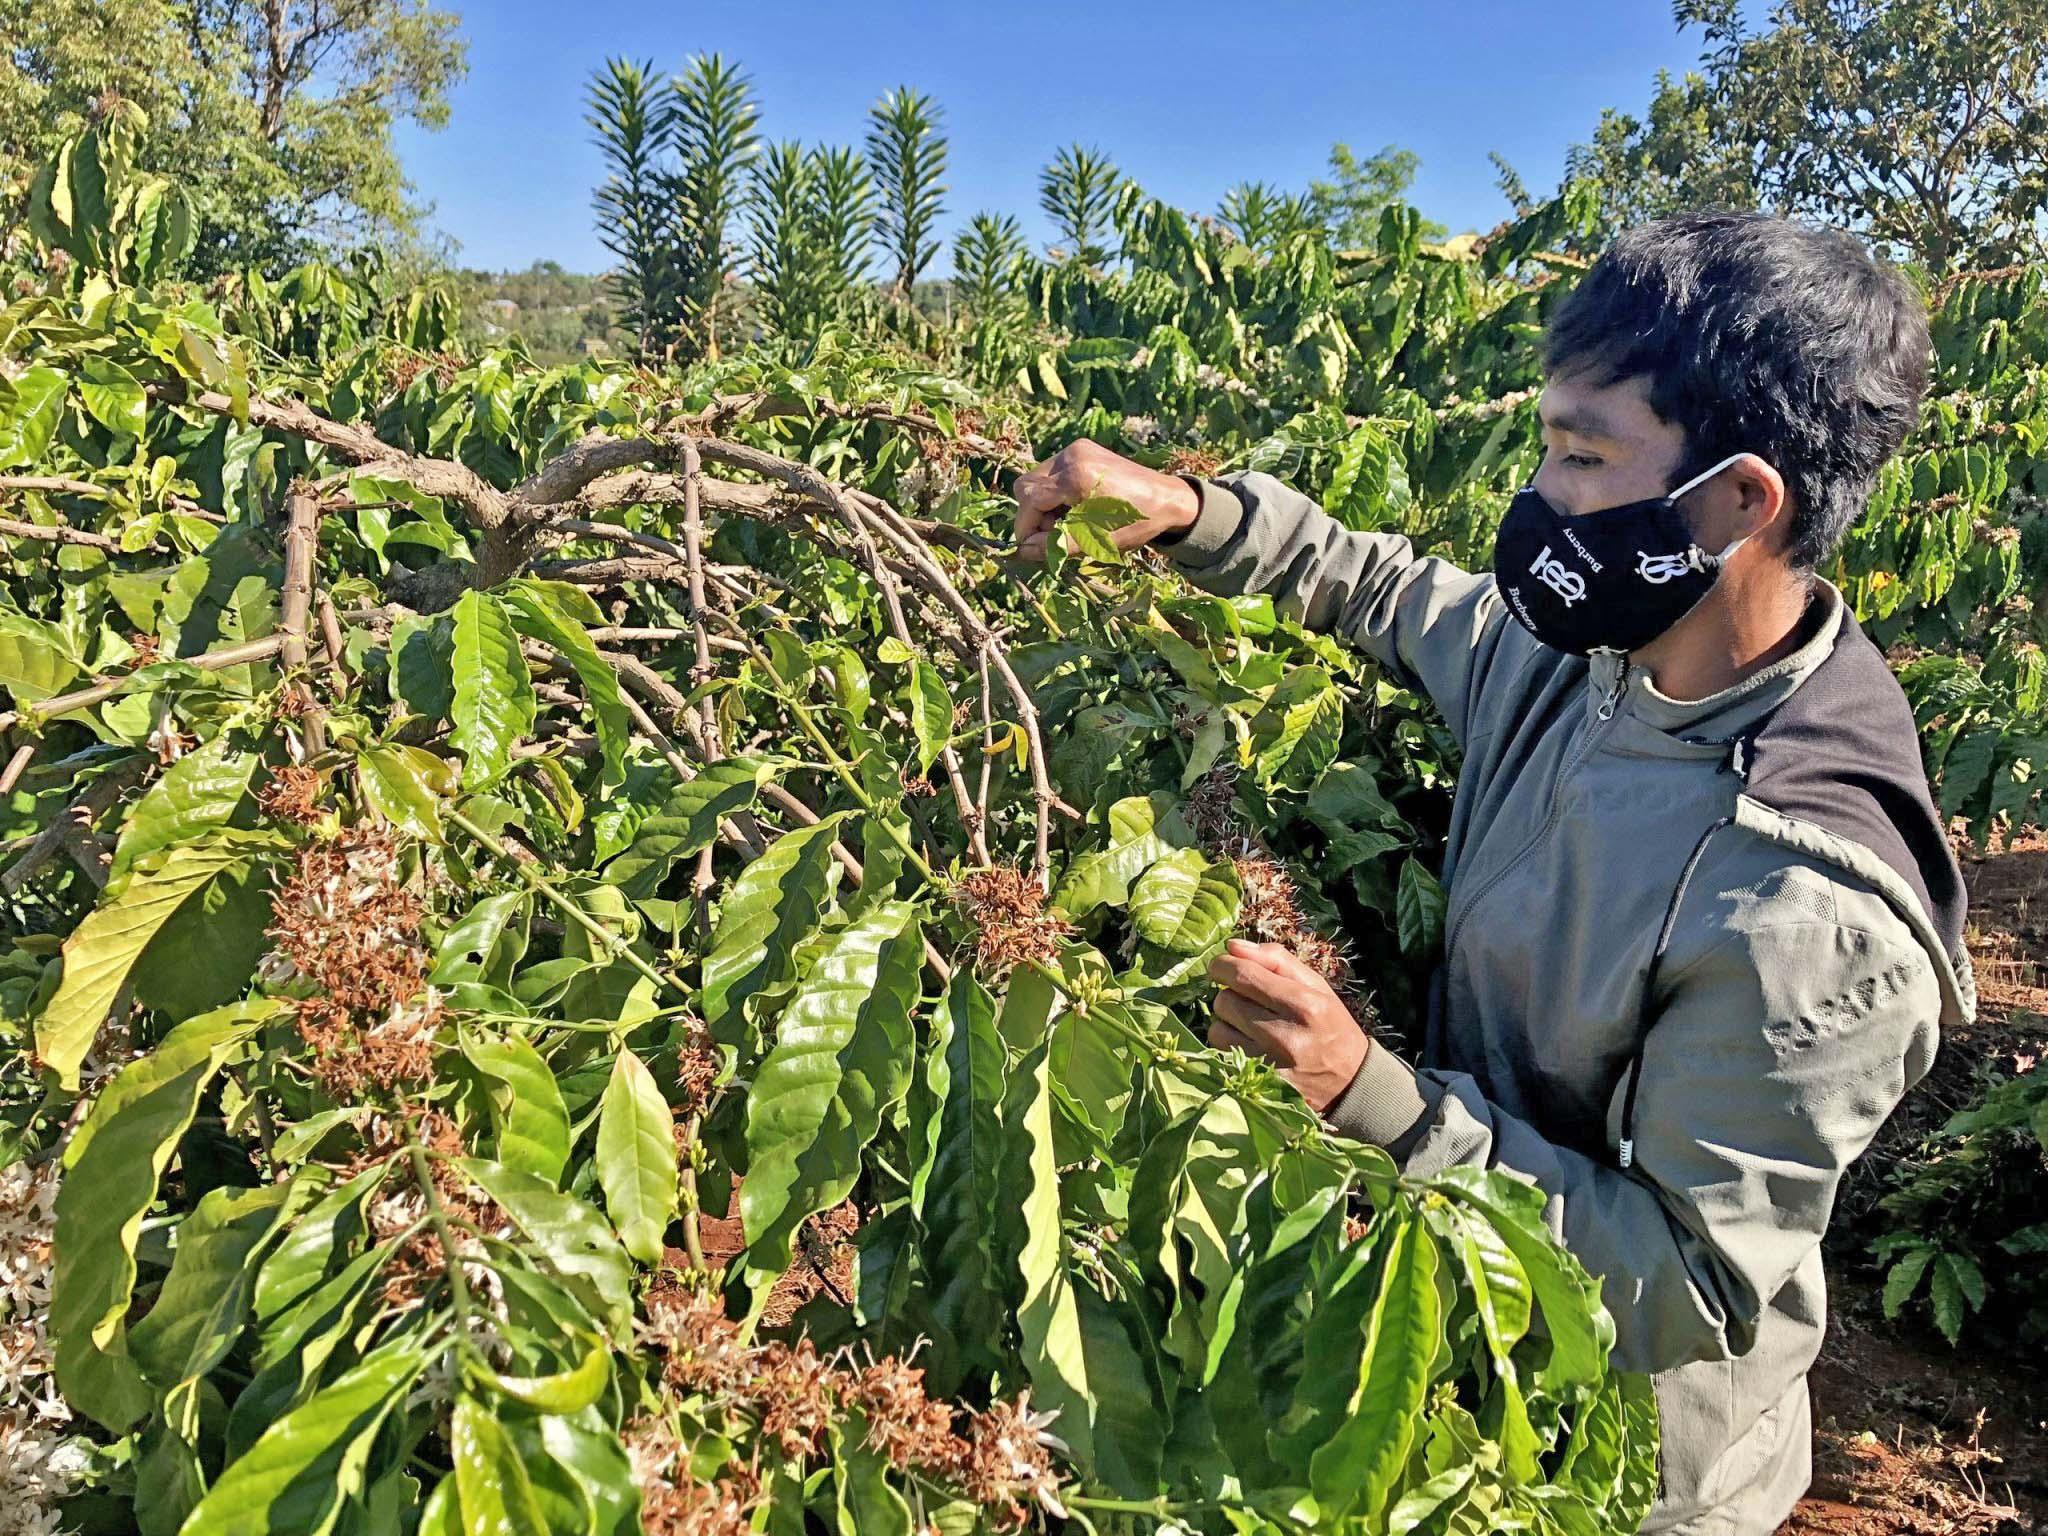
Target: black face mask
(1609,581)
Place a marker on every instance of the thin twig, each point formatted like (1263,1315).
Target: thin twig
(64,533)
(16,766)
(58,485)
(99,693)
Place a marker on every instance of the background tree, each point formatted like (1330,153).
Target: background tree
(986,258)
(633,114)
(843,218)
(781,257)
(716,135)
(277,114)
(1679,156)
(1078,192)
(1350,202)
(907,156)
(1923,124)
(1263,216)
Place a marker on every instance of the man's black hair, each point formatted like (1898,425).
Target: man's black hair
(1758,335)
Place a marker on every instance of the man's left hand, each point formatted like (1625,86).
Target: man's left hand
(1273,1005)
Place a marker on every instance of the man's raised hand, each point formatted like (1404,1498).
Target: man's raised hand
(1164,503)
(1271,1004)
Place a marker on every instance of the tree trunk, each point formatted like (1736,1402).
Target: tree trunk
(276,53)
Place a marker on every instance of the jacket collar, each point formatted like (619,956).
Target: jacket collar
(1725,715)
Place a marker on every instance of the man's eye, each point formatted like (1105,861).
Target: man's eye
(1582,461)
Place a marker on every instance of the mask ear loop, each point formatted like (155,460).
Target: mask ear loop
(1711,562)
(1704,476)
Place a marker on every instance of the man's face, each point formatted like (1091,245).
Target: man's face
(1604,446)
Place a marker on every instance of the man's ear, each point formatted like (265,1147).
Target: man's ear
(1763,503)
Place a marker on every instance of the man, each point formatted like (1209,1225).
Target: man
(1703,922)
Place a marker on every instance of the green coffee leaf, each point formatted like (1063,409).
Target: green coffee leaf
(203,1303)
(490,1480)
(957,1187)
(1142,829)
(527,1112)
(1418,909)
(1354,1472)
(1054,1352)
(103,949)
(1185,904)
(537,613)
(406,785)
(294,1478)
(840,1062)
(931,712)
(572,1238)
(772,904)
(636,1158)
(569,1391)
(29,416)
(1295,737)
(200,791)
(494,705)
(688,823)
(111,1171)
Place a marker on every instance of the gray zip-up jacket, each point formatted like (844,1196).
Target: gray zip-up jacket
(1694,954)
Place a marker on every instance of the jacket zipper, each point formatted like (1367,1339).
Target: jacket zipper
(1602,716)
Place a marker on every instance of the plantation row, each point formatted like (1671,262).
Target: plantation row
(466,821)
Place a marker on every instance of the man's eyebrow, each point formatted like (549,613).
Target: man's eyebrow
(1579,422)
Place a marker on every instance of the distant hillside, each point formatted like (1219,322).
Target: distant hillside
(561,316)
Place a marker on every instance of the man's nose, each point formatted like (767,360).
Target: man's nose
(1545,486)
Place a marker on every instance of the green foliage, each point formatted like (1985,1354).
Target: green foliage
(715,139)
(1923,126)
(573,938)
(1964,1236)
(1264,217)
(1353,202)
(907,156)
(677,157)
(1077,191)
(279,119)
(633,116)
(89,203)
(987,258)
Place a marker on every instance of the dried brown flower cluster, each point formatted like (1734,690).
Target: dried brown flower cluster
(722,1507)
(1210,810)
(1007,909)
(1000,1458)
(1193,461)
(291,794)
(403,369)
(148,649)
(915,785)
(696,1071)
(347,923)
(1009,1463)
(673,1502)
(1268,912)
(1268,909)
(421,1260)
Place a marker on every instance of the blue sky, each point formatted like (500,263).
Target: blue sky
(1188,97)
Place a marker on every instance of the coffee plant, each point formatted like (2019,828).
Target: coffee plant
(1964,1215)
(585,952)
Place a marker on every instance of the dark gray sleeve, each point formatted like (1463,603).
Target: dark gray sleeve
(1435,627)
